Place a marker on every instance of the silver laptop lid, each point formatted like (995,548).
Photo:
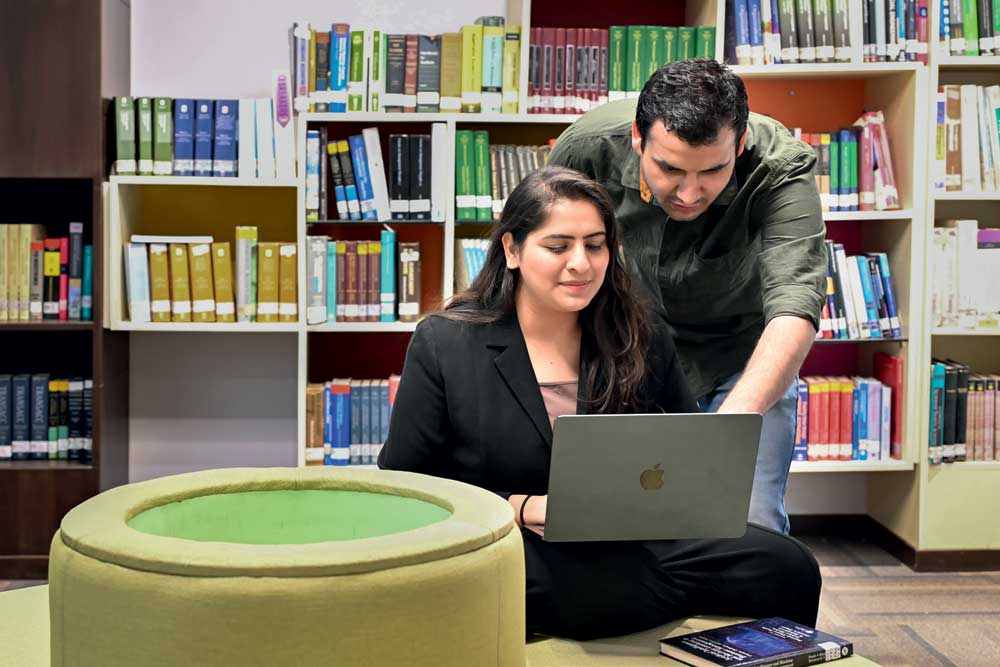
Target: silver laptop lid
(651,477)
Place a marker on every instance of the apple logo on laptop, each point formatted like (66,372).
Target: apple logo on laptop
(651,478)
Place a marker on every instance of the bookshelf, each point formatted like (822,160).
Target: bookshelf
(51,170)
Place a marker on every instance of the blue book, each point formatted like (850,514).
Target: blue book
(936,421)
(856,422)
(883,313)
(890,296)
(364,399)
(6,415)
(87,284)
(800,451)
(866,289)
(874,410)
(387,279)
(756,33)
(21,420)
(383,400)
(742,12)
(337,424)
(203,121)
(356,433)
(183,137)
(763,643)
(331,281)
(776,27)
(39,416)
(224,141)
(863,420)
(340,58)
(366,195)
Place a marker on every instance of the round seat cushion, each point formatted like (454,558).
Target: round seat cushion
(303,566)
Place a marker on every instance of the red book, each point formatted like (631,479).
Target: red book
(63,278)
(866,167)
(593,86)
(548,70)
(559,73)
(922,44)
(583,70)
(833,448)
(569,79)
(410,73)
(814,410)
(603,73)
(889,371)
(846,418)
(823,439)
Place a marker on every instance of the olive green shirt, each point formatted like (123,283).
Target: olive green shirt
(756,253)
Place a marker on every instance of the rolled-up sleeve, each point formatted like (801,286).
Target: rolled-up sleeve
(793,257)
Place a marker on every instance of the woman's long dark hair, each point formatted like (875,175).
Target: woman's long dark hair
(615,327)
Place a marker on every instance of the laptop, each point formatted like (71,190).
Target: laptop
(650,477)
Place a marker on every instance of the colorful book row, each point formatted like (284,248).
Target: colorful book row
(965,277)
(347,421)
(43,417)
(969,27)
(45,278)
(967,151)
(964,411)
(860,298)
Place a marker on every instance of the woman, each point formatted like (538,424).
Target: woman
(549,327)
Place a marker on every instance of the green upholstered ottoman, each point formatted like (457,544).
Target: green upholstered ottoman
(289,566)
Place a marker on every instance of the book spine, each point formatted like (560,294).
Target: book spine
(180,285)
(472,68)
(288,271)
(356,85)
(376,173)
(144,122)
(395,73)
(685,42)
(163,136)
(330,281)
(38,447)
(337,176)
(203,137)
(87,284)
(387,279)
(451,72)
(267,282)
(224,139)
(705,40)
(465,189)
(429,74)
(6,416)
(321,44)
(324,174)
(340,51)
(409,281)
(419,177)
(37,289)
(222,273)
(125,162)
(159,282)
(373,291)
(246,274)
(359,160)
(376,55)
(800,451)
(492,68)
(399,176)
(410,73)
(183,137)
(511,69)
(481,148)
(202,283)
(312,176)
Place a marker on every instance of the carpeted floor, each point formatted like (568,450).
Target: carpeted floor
(894,616)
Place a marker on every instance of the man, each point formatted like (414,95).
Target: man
(721,222)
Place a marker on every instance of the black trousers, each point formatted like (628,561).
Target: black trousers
(586,590)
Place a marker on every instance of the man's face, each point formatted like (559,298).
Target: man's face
(686,179)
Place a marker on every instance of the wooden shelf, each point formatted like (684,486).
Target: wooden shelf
(379,117)
(970,465)
(6,466)
(47,325)
(969,62)
(203,181)
(943,331)
(845,341)
(362,327)
(850,466)
(209,327)
(967,196)
(825,70)
(834,216)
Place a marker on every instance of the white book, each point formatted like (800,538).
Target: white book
(284,129)
(151,238)
(886,421)
(991,105)
(858,296)
(137,282)
(440,169)
(376,173)
(300,38)
(986,150)
(316,277)
(970,139)
(247,139)
(264,132)
(969,278)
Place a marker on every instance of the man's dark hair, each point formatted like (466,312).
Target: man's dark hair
(695,99)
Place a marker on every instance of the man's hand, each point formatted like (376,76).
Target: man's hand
(775,362)
(534,511)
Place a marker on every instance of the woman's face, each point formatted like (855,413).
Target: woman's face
(563,262)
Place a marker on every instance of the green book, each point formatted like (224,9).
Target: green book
(465,179)
(163,136)
(356,72)
(618,60)
(970,26)
(657,49)
(852,170)
(685,42)
(645,54)
(124,135)
(996,26)
(705,41)
(144,113)
(670,45)
(484,197)
(633,72)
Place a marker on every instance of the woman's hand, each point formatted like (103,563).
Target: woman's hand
(534,511)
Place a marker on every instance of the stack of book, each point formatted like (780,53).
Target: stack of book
(190,279)
(969,27)
(249,138)
(854,166)
(347,421)
(860,298)
(486,174)
(965,288)
(964,422)
(44,417)
(967,152)
(45,278)
(850,418)
(355,281)
(573,70)
(353,170)
(347,68)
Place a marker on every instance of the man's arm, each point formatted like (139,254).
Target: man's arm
(772,367)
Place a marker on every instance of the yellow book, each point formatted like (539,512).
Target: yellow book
(314,424)
(288,270)
(4,263)
(222,270)
(180,283)
(202,287)
(312,68)
(246,273)
(267,282)
(451,71)
(28,234)
(511,68)
(11,269)
(159,282)
(472,68)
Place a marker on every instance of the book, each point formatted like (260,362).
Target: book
(267,282)
(180,283)
(769,642)
(163,136)
(159,282)
(125,162)
(409,281)
(288,282)
(224,138)
(137,282)
(202,283)
(184,114)
(144,123)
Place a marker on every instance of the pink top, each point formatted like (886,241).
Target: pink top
(559,398)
